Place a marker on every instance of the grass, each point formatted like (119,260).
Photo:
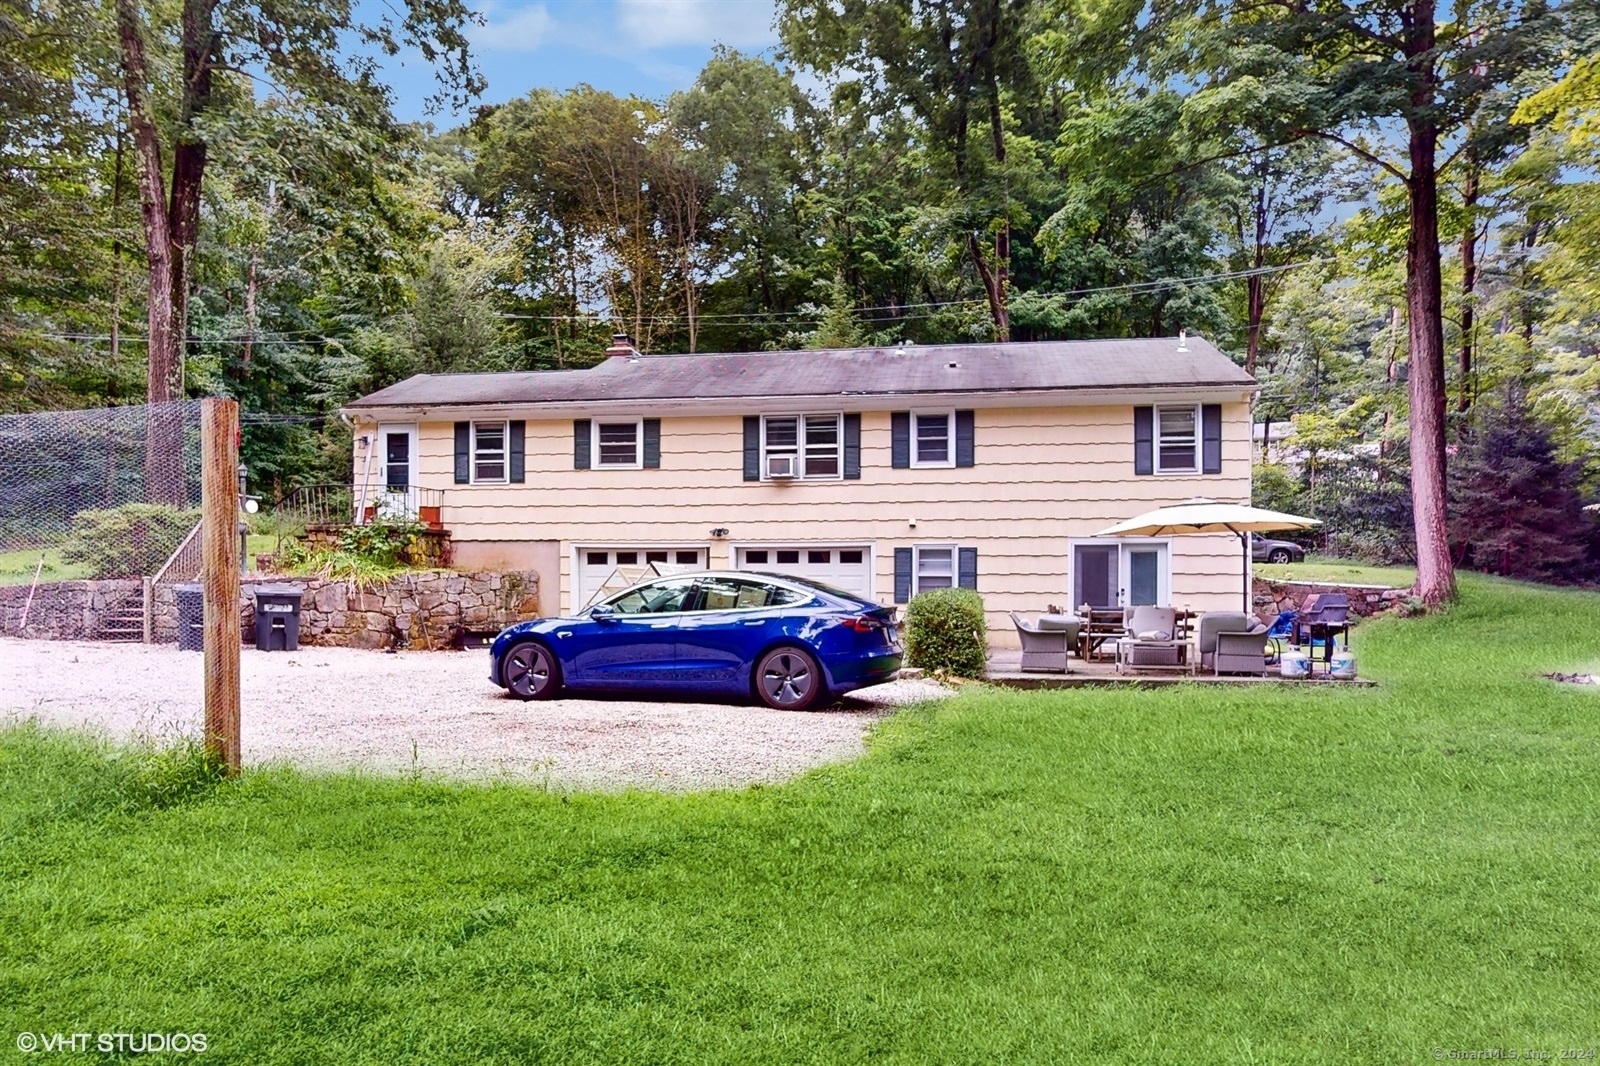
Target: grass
(1261,874)
(17,567)
(1325,568)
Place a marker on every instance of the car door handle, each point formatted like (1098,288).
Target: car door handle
(660,625)
(754,621)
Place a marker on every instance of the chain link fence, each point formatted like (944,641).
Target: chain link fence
(116,479)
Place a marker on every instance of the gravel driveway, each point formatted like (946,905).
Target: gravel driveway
(435,713)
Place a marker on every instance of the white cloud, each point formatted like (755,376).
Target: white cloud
(511,28)
(664,23)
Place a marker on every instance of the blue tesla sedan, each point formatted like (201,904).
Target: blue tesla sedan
(785,640)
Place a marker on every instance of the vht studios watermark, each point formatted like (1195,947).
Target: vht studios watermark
(1520,1054)
(125,1043)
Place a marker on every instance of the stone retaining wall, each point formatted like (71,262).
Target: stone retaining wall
(426,609)
(1271,598)
(65,610)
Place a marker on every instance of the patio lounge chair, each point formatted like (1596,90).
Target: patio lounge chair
(1044,645)
(1152,640)
(1231,642)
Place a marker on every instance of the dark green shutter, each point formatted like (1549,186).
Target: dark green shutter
(1211,438)
(463,452)
(518,452)
(852,447)
(967,568)
(580,444)
(902,575)
(752,448)
(652,443)
(900,440)
(964,442)
(1144,444)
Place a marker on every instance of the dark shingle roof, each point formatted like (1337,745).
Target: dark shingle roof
(1040,366)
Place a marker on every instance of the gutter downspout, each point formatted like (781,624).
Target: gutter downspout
(366,469)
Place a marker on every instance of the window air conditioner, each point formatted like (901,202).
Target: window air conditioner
(780,466)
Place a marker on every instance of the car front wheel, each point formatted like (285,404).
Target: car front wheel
(788,679)
(531,672)
(1278,555)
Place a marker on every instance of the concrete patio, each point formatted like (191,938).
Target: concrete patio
(1005,669)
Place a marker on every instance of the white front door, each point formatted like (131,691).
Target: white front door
(396,490)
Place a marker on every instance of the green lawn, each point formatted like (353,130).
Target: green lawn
(16,568)
(1324,568)
(1260,874)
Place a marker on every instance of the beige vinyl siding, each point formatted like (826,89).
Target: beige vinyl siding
(1044,476)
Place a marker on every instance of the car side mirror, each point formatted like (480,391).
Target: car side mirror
(602,613)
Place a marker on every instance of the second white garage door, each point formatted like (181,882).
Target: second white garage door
(848,567)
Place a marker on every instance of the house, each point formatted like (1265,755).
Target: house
(886,471)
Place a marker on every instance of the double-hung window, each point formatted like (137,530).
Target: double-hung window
(617,444)
(933,439)
(1177,437)
(934,568)
(488,453)
(811,444)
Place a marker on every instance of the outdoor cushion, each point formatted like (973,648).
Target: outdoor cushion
(1155,634)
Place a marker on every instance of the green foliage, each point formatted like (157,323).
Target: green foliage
(367,555)
(133,540)
(945,632)
(1515,505)
(963,886)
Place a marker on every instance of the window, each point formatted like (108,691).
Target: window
(934,568)
(1175,440)
(616,444)
(853,557)
(788,558)
(488,452)
(627,558)
(598,558)
(688,558)
(733,594)
(756,556)
(815,442)
(932,439)
(665,597)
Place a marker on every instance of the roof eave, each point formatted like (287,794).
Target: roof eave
(1197,392)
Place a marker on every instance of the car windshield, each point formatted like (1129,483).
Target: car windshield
(664,597)
(820,586)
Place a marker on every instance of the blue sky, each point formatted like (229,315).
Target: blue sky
(646,47)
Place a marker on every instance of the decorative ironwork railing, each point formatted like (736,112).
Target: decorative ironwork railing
(346,505)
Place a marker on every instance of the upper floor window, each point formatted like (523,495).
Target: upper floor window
(616,444)
(1177,438)
(801,446)
(932,439)
(488,452)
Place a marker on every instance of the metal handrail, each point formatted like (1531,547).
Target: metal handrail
(336,505)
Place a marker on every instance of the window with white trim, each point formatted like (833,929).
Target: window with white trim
(814,443)
(618,444)
(488,453)
(933,567)
(1177,440)
(933,439)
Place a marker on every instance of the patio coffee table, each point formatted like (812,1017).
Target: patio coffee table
(1182,661)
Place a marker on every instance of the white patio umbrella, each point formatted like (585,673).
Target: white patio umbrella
(1201,515)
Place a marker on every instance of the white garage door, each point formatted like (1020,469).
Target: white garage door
(614,569)
(848,568)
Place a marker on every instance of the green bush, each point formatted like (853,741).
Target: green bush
(945,632)
(128,541)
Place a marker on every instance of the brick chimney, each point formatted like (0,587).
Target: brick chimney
(622,345)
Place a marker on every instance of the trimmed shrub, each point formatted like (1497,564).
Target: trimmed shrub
(128,541)
(945,632)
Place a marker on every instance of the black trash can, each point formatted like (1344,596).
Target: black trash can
(191,617)
(278,617)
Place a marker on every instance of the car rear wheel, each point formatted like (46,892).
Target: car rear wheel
(1278,555)
(531,672)
(788,679)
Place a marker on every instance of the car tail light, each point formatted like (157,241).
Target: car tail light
(863,624)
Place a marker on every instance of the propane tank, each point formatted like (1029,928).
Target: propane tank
(1342,665)
(1294,664)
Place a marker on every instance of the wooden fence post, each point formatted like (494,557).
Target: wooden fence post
(219,573)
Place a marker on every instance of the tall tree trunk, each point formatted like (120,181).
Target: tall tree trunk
(1469,276)
(163,454)
(1256,285)
(1436,581)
